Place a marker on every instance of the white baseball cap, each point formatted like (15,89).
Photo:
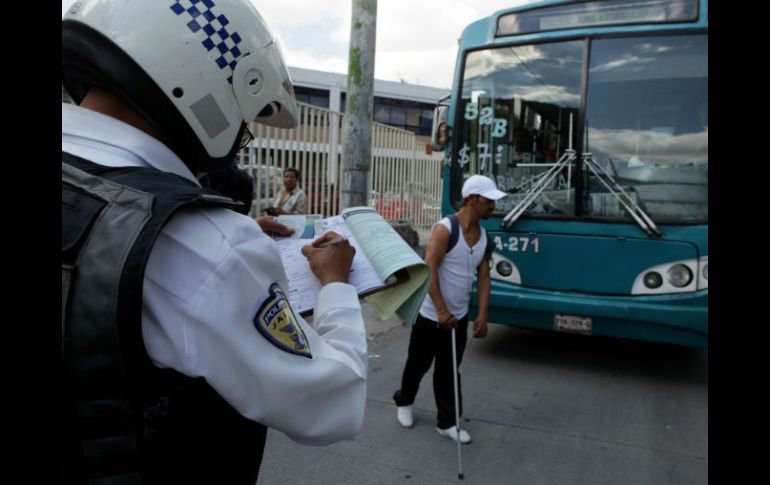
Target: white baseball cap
(483,186)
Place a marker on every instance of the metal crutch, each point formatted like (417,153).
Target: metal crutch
(457,409)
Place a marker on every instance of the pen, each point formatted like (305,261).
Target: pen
(336,240)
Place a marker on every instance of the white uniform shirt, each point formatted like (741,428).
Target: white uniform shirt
(208,275)
(455,274)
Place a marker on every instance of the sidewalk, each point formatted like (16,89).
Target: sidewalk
(374,325)
(543,409)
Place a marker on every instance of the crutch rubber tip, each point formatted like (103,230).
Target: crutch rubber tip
(460,476)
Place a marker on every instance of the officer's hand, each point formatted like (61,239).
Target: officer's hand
(331,263)
(270,226)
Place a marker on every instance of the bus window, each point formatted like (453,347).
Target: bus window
(518,110)
(647,118)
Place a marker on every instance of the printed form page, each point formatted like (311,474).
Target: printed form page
(303,284)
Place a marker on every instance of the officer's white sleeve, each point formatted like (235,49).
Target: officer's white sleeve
(202,300)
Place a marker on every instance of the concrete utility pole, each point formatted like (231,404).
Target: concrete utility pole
(359,101)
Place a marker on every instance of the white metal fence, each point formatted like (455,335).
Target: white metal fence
(404,182)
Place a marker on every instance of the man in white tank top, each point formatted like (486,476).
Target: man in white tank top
(446,305)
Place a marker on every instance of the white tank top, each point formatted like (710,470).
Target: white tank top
(455,274)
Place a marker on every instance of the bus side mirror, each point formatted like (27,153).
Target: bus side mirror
(440,130)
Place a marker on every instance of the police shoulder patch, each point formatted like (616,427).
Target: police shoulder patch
(277,322)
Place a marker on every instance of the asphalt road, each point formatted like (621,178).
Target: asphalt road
(542,408)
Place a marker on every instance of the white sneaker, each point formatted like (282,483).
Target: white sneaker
(404,416)
(451,433)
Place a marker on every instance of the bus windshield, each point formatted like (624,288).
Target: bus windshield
(645,123)
(647,118)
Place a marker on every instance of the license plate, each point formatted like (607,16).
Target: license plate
(572,324)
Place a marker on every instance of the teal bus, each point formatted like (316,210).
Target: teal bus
(593,117)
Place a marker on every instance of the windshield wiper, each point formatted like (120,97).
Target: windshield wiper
(537,188)
(630,204)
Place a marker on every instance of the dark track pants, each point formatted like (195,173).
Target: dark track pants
(426,342)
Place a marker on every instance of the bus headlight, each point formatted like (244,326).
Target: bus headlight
(504,268)
(672,277)
(703,274)
(653,280)
(679,275)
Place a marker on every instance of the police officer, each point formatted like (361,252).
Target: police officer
(211,351)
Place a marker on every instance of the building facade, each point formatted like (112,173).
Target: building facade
(397,104)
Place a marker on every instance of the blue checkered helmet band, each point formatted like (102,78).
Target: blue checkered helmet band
(220,43)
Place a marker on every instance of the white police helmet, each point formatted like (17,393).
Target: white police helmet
(197,70)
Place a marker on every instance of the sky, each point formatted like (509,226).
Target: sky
(416,39)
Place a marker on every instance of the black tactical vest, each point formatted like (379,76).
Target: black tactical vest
(125,421)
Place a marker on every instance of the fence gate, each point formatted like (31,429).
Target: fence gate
(404,182)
